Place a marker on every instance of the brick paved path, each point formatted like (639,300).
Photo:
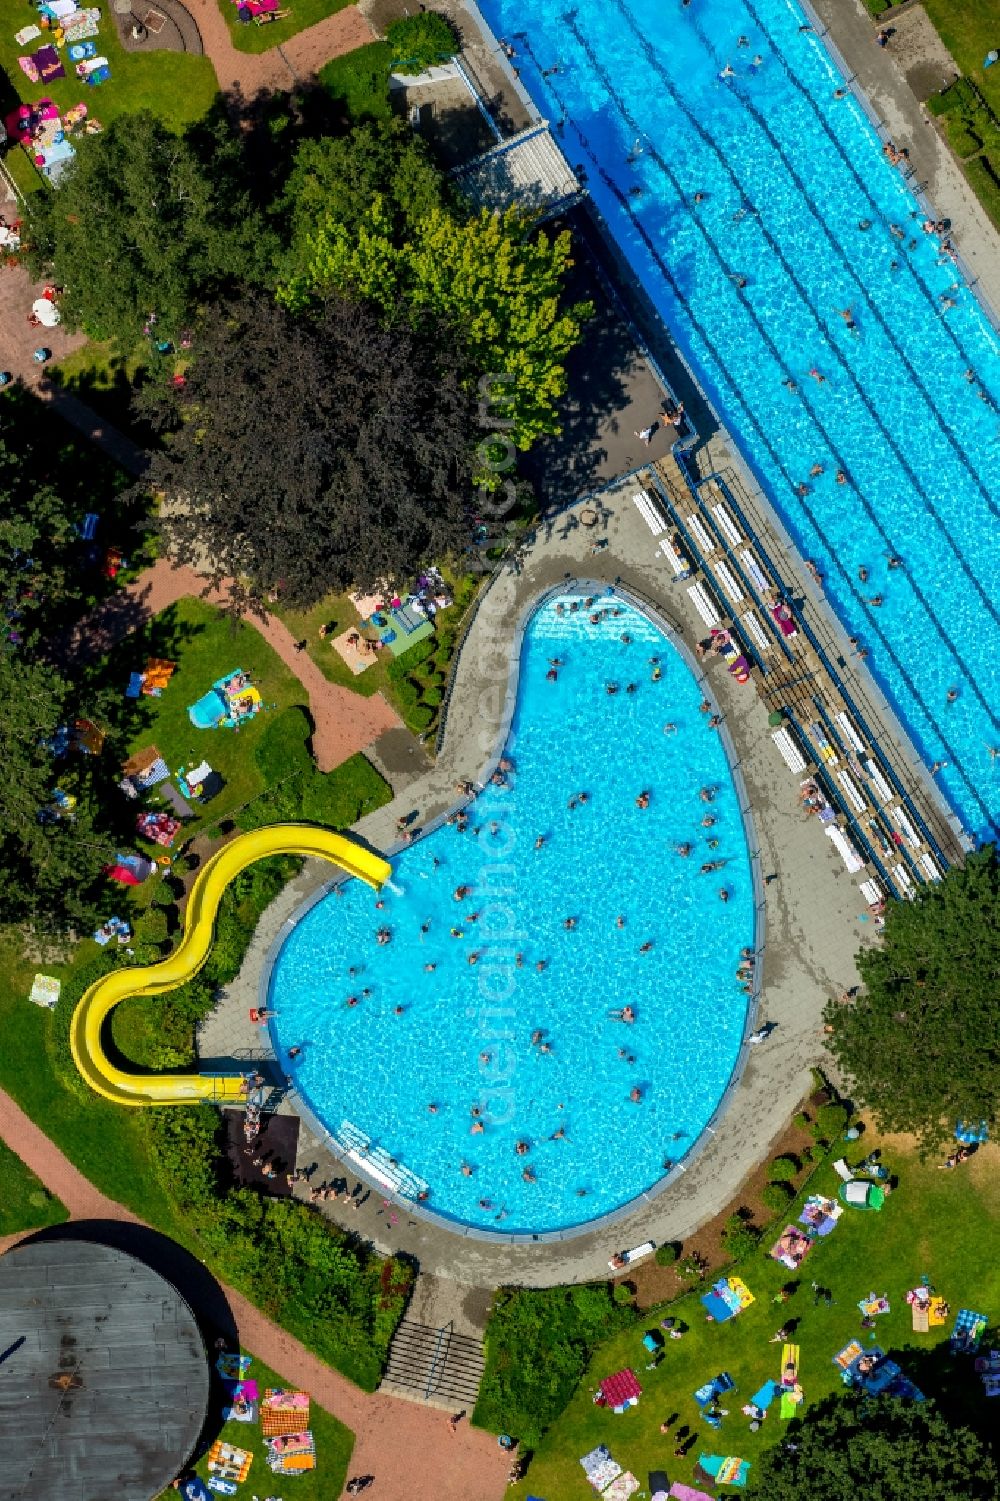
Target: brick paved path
(408,1448)
(344,722)
(279,67)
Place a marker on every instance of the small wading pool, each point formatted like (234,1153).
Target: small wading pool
(463,1039)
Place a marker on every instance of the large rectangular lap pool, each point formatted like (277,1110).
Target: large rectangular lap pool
(855,369)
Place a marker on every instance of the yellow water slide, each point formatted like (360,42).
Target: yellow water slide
(189,956)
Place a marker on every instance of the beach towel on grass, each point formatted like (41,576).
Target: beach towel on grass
(82,24)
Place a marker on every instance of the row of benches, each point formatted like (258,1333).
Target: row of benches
(708,546)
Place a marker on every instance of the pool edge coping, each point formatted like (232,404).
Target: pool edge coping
(461,1230)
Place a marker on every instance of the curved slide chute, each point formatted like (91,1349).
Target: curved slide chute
(189,956)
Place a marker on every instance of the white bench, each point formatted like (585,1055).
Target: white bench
(929,867)
(844,848)
(702,602)
(649,513)
(851,734)
(729,582)
(878,781)
(679,563)
(850,787)
(702,535)
(760,579)
(727,526)
(790,753)
(904,878)
(756,631)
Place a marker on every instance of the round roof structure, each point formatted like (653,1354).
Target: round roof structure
(104,1379)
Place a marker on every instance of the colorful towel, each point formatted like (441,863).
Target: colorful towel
(49,64)
(82,24)
(283,1411)
(233,1367)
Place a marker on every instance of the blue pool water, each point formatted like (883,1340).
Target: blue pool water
(464,1036)
(640,79)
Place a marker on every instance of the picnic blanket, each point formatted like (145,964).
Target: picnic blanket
(241,1403)
(229,1462)
(968,1331)
(291,1453)
(82,24)
(45,991)
(725,1469)
(765,1395)
(791,1248)
(874,1304)
(619,1490)
(820,1215)
(233,1367)
(283,1411)
(727,1297)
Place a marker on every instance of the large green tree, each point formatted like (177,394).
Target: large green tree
(146,222)
(50,865)
(371,222)
(853,1447)
(920,1046)
(309,454)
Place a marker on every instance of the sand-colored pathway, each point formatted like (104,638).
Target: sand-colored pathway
(344,722)
(410,1449)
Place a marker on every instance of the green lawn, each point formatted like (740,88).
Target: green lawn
(969,29)
(25,1202)
(205,644)
(175,86)
(940,1224)
(360,81)
(105,1142)
(106,382)
(334,1444)
(301,13)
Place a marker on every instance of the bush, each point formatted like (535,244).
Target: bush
(538,1344)
(963,141)
(739,1238)
(343,1301)
(782,1170)
(420,41)
(281,750)
(960,97)
(152,927)
(777,1196)
(667,1254)
(693,1267)
(433,697)
(801,1120)
(340,797)
(623,1292)
(830,1121)
(420,718)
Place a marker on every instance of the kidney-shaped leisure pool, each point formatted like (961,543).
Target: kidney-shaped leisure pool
(464,1032)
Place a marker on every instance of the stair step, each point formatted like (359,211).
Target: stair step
(433,1365)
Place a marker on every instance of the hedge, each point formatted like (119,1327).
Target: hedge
(339,1298)
(538,1345)
(963,141)
(985,181)
(420,41)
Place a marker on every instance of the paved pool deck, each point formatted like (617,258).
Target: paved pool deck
(813,919)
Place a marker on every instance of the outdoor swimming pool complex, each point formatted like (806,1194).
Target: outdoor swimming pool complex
(789,176)
(464,1037)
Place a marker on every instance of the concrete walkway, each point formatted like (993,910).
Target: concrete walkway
(410,1449)
(344,722)
(814,920)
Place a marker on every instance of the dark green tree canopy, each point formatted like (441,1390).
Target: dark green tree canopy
(48,870)
(921,1046)
(309,454)
(851,1448)
(144,223)
(343,175)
